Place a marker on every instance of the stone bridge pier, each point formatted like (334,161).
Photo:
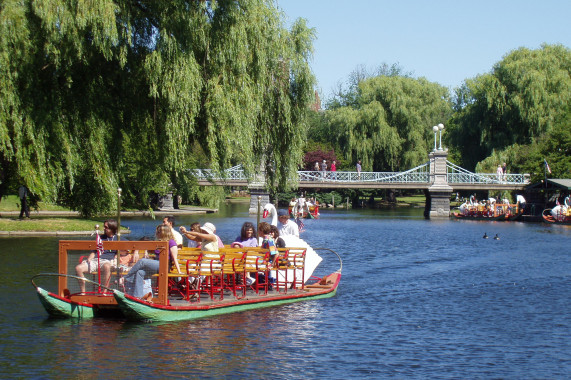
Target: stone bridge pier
(439,192)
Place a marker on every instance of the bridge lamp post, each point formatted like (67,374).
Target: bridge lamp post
(435,129)
(440,128)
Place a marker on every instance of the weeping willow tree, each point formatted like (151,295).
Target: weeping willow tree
(519,101)
(132,94)
(388,125)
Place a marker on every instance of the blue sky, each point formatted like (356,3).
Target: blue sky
(443,41)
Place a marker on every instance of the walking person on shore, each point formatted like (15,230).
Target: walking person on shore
(24,208)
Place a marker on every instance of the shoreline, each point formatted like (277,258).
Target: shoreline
(186,210)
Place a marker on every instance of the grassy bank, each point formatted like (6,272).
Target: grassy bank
(49,224)
(12,203)
(42,224)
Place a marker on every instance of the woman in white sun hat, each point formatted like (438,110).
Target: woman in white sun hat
(207,236)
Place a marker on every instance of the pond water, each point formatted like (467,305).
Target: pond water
(418,299)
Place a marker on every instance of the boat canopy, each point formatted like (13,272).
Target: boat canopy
(552,184)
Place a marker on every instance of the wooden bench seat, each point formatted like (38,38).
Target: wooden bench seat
(287,263)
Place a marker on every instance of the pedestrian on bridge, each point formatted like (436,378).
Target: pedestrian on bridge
(500,173)
(333,170)
(359,170)
(504,171)
(323,170)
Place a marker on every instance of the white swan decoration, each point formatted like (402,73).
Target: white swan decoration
(270,211)
(312,259)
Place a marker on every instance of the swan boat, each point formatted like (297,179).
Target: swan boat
(308,212)
(221,284)
(557,215)
(499,212)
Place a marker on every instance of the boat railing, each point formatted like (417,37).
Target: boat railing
(72,252)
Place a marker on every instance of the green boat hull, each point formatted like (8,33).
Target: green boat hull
(137,310)
(58,307)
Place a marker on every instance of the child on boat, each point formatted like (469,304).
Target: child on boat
(265,233)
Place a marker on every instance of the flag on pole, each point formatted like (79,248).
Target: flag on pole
(300,223)
(99,243)
(547,166)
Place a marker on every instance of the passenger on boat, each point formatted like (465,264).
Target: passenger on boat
(265,233)
(286,226)
(193,241)
(292,203)
(105,259)
(247,236)
(300,205)
(506,205)
(520,201)
(135,279)
(220,244)
(127,259)
(567,201)
(464,208)
(559,212)
(169,221)
(268,242)
(208,238)
(280,243)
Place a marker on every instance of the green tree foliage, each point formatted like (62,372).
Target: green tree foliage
(97,95)
(553,147)
(389,125)
(519,101)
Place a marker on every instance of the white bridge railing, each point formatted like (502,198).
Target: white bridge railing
(456,174)
(415,175)
(235,173)
(419,174)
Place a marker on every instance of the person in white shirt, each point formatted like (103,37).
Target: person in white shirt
(285,225)
(169,221)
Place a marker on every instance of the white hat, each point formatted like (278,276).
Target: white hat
(208,227)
